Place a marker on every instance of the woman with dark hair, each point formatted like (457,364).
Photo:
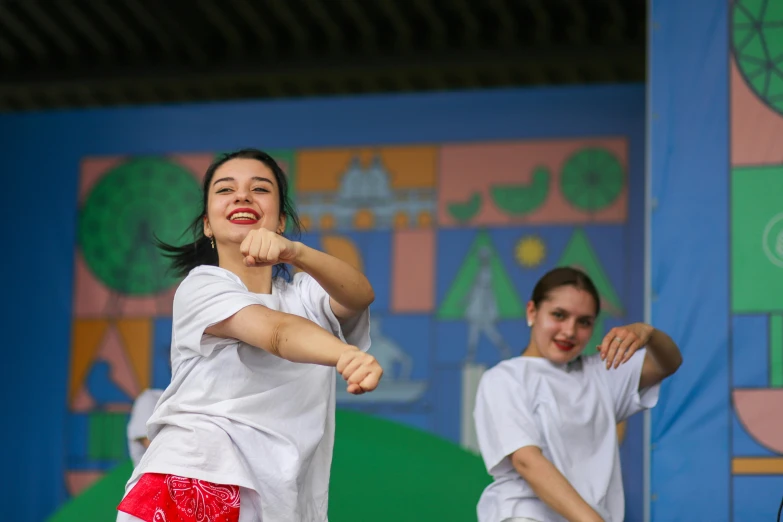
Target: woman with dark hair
(245,430)
(546,421)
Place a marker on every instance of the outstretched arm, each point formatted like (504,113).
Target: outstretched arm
(349,290)
(662,359)
(551,486)
(300,340)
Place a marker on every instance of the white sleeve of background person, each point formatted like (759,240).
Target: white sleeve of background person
(208,296)
(355,331)
(141,411)
(503,417)
(623,385)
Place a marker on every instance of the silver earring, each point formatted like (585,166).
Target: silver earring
(529,323)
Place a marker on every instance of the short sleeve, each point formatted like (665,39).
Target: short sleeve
(207,296)
(504,419)
(141,411)
(623,384)
(354,331)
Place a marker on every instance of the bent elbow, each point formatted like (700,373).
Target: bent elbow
(524,459)
(278,334)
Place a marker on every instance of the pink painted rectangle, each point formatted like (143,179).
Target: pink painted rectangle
(413,271)
(468,172)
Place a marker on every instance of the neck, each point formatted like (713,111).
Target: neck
(257,279)
(531,350)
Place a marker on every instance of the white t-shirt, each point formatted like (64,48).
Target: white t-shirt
(141,411)
(570,412)
(236,414)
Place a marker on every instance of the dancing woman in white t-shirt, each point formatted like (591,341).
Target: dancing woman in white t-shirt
(245,430)
(546,421)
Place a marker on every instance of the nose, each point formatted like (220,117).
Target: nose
(569,328)
(242,194)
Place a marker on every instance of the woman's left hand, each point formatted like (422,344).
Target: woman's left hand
(622,342)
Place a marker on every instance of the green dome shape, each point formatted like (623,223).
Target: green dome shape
(133,201)
(519,200)
(382,471)
(757,43)
(464,211)
(592,179)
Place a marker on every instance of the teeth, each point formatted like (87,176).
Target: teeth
(243,215)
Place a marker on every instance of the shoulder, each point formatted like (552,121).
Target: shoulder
(506,374)
(207,276)
(210,273)
(303,281)
(301,284)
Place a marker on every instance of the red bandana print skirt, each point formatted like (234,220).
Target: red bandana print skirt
(168,498)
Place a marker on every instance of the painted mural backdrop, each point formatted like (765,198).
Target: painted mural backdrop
(452,236)
(756,108)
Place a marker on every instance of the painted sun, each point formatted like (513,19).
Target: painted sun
(530,251)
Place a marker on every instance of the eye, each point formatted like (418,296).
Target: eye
(260,189)
(222,190)
(586,322)
(558,314)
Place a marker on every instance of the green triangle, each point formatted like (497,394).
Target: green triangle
(741,17)
(455,303)
(773,13)
(775,87)
(579,253)
(754,8)
(754,49)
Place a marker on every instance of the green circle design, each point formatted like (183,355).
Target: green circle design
(592,179)
(757,43)
(129,204)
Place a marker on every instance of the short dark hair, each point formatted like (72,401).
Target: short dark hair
(565,276)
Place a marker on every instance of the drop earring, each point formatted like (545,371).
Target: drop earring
(212,241)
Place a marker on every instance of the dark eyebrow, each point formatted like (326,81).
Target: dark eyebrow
(254,178)
(221,179)
(559,309)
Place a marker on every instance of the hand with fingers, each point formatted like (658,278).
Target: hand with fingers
(263,247)
(360,370)
(622,342)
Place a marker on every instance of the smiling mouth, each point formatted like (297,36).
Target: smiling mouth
(564,346)
(243,217)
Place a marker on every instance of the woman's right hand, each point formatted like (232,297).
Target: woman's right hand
(360,370)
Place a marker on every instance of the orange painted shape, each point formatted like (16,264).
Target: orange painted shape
(85,342)
(344,249)
(757,466)
(409,167)
(364,219)
(136,336)
(621,432)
